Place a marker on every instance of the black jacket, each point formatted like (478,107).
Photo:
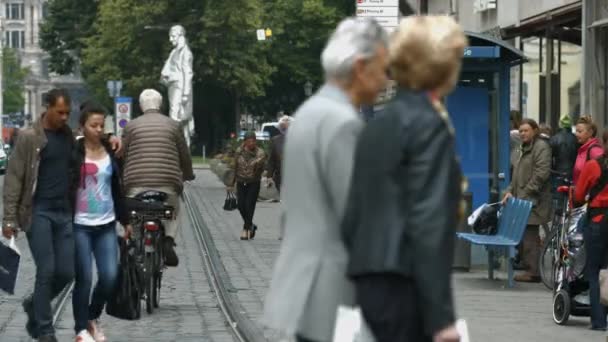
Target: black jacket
(564,149)
(404,202)
(78,158)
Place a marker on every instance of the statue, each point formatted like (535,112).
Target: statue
(177,76)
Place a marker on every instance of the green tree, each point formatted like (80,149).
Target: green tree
(300,31)
(232,56)
(13,78)
(63,31)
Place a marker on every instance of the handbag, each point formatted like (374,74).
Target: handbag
(10,256)
(126,301)
(230,203)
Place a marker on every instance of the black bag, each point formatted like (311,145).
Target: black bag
(487,221)
(230,203)
(126,301)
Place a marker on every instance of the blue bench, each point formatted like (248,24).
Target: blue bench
(511,226)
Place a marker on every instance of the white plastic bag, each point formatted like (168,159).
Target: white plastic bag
(350,326)
(463,330)
(604,287)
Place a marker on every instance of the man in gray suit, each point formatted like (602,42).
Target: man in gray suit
(309,281)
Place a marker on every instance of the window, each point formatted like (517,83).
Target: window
(15,39)
(14,11)
(45,10)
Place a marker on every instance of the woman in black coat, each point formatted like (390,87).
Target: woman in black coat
(404,205)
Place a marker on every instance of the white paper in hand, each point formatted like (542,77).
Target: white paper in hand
(463,330)
(350,326)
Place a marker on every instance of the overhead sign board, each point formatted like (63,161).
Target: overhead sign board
(374,3)
(386,12)
(122,110)
(482,52)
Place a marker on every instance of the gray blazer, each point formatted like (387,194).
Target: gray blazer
(309,280)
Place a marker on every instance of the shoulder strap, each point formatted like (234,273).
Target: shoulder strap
(589,151)
(602,181)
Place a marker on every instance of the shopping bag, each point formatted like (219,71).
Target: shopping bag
(126,301)
(604,287)
(463,330)
(10,256)
(230,203)
(350,326)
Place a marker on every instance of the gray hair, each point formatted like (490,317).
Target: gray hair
(284,122)
(150,99)
(181,30)
(353,39)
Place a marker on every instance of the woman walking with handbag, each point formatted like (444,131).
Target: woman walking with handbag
(248,166)
(97,196)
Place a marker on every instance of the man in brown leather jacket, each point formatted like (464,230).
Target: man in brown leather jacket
(36,201)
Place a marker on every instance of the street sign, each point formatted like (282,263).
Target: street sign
(375,12)
(374,3)
(386,12)
(482,52)
(122,109)
(261,34)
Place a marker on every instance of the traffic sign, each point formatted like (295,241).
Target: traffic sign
(374,3)
(386,12)
(122,109)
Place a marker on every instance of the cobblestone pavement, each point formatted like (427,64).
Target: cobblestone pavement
(188,310)
(492,312)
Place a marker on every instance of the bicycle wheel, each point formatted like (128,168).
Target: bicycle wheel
(149,281)
(547,258)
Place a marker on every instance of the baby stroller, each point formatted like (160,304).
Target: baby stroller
(570,289)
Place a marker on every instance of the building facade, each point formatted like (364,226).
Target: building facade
(565,42)
(21,28)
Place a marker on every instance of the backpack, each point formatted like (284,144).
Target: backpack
(589,151)
(602,181)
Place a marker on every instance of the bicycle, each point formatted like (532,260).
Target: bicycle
(551,245)
(148,211)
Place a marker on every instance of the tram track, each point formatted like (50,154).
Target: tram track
(243,328)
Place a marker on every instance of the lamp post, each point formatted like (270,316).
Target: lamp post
(308,88)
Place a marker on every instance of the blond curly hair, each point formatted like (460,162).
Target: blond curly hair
(426,52)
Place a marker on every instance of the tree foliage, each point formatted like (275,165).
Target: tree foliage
(14,76)
(63,31)
(128,40)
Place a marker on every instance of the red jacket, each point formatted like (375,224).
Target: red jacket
(588,178)
(596,152)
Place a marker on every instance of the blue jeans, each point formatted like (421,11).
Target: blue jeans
(52,244)
(596,245)
(98,241)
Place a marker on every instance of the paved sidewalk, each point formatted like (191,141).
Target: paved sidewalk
(493,312)
(188,311)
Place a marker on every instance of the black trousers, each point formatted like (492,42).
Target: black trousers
(391,308)
(247,197)
(595,235)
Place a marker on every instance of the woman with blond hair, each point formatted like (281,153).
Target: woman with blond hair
(402,212)
(590,145)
